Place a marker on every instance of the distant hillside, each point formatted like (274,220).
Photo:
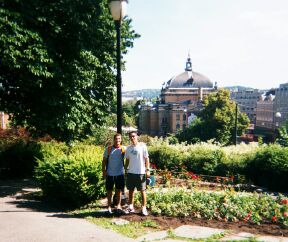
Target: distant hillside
(145,93)
(238,88)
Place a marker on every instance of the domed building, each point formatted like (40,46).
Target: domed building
(188,87)
(180,101)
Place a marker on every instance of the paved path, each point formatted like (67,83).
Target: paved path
(26,220)
(22,220)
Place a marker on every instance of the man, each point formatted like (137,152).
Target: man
(113,171)
(137,166)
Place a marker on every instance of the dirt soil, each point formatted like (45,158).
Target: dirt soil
(171,222)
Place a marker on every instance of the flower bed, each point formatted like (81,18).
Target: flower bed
(223,206)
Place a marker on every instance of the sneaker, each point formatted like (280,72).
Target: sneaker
(144,211)
(120,211)
(109,210)
(130,210)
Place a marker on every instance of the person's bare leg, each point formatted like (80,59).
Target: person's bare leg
(144,198)
(131,198)
(109,198)
(118,194)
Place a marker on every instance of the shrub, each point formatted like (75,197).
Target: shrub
(205,161)
(18,152)
(269,167)
(166,156)
(71,174)
(17,160)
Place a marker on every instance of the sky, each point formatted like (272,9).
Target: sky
(232,42)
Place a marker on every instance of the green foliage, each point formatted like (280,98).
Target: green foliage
(70,174)
(269,167)
(282,138)
(204,158)
(264,165)
(205,161)
(17,160)
(216,121)
(57,69)
(224,206)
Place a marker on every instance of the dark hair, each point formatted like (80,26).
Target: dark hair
(133,132)
(117,134)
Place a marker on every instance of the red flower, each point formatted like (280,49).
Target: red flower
(285,214)
(274,218)
(218,179)
(231,178)
(247,217)
(153,166)
(285,201)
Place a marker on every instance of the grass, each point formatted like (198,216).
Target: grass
(131,230)
(215,237)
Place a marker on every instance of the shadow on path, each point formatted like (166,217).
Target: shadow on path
(12,187)
(25,195)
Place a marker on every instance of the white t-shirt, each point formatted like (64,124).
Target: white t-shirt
(136,155)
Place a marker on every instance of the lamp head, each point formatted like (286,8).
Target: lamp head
(278,115)
(118,9)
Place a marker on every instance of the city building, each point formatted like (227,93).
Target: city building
(281,104)
(247,100)
(272,113)
(265,113)
(180,101)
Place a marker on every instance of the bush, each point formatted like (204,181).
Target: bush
(205,161)
(17,160)
(166,156)
(269,167)
(263,165)
(18,152)
(71,174)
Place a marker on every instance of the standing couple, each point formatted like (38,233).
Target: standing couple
(136,166)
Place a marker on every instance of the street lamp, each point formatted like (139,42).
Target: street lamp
(277,116)
(235,126)
(118,11)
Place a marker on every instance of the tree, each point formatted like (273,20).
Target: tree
(282,136)
(57,64)
(216,120)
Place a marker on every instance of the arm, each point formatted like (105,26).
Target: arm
(126,165)
(104,167)
(147,166)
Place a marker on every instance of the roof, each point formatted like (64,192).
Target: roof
(189,79)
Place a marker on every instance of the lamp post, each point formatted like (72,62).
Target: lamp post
(236,119)
(277,116)
(118,11)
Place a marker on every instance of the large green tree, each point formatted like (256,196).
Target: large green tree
(57,64)
(216,120)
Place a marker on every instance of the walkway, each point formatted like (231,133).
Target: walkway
(23,220)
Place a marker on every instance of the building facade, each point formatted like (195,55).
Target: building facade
(281,104)
(180,101)
(265,113)
(247,100)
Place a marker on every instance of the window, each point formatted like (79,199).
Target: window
(184,117)
(177,116)
(177,126)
